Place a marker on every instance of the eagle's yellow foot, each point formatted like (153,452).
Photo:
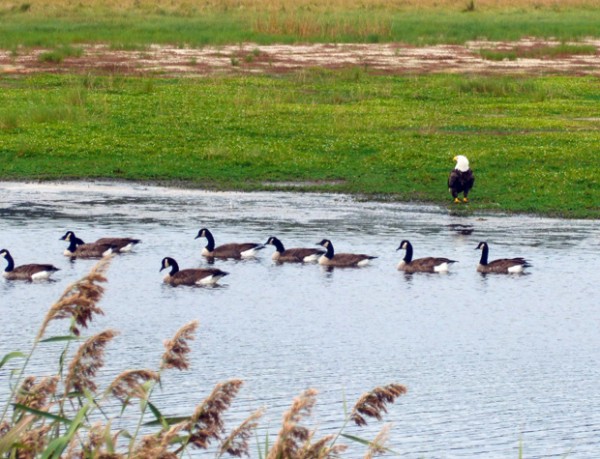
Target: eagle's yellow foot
(465,200)
(456,201)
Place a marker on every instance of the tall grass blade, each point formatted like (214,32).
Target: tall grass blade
(55,339)
(42,414)
(10,356)
(14,434)
(56,447)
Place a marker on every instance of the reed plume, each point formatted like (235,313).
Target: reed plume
(87,361)
(236,443)
(206,423)
(292,436)
(373,404)
(321,449)
(35,395)
(130,383)
(79,300)
(377,446)
(33,442)
(95,445)
(178,348)
(157,446)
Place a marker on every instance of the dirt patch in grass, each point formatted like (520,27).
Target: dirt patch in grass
(251,58)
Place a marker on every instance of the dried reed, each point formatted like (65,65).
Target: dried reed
(157,446)
(34,395)
(177,348)
(373,404)
(130,383)
(78,301)
(236,443)
(291,436)
(206,423)
(377,446)
(86,362)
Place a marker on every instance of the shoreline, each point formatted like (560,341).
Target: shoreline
(141,187)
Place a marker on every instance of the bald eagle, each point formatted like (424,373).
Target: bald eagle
(461,179)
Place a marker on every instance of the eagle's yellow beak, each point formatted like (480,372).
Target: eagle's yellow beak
(454,159)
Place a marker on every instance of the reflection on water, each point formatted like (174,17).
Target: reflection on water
(490,361)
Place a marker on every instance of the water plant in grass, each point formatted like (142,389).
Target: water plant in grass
(69,414)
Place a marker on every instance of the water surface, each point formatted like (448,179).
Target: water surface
(491,362)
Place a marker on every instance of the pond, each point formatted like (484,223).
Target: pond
(492,362)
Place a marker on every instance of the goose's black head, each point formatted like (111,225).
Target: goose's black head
(404,245)
(4,253)
(482,246)
(69,235)
(202,233)
(168,262)
(325,243)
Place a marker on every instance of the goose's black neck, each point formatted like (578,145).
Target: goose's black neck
(409,252)
(330,252)
(174,267)
(210,239)
(10,261)
(278,245)
(73,243)
(484,255)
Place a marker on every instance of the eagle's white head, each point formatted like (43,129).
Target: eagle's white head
(462,163)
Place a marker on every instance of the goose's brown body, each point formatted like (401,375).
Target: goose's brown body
(295,255)
(501,265)
(230,250)
(342,260)
(422,265)
(191,276)
(33,271)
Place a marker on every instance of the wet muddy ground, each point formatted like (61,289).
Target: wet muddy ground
(394,58)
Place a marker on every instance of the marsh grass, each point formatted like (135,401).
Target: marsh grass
(69,414)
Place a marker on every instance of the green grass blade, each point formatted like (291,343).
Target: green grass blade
(55,339)
(170,421)
(10,356)
(43,414)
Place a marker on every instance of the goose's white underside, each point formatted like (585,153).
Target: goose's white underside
(515,269)
(311,258)
(127,248)
(441,268)
(363,262)
(209,280)
(249,253)
(42,275)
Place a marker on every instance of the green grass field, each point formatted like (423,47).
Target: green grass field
(532,142)
(137,28)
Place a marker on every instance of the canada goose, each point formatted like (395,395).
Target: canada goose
(461,179)
(120,244)
(26,272)
(296,255)
(190,276)
(231,250)
(330,258)
(79,249)
(423,265)
(502,265)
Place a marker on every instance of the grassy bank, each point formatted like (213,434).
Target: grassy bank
(533,142)
(136,24)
